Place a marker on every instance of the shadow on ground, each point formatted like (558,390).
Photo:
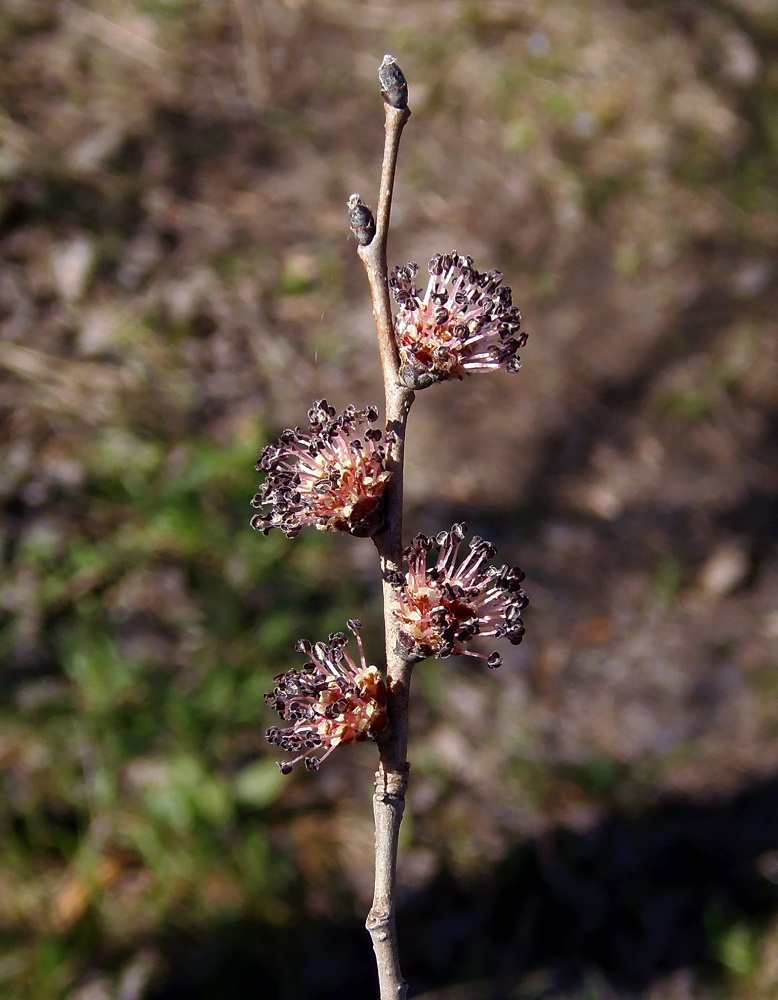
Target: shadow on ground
(630,900)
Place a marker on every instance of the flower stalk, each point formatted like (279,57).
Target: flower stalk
(391,779)
(345,473)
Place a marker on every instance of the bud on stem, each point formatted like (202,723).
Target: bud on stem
(394,86)
(361,220)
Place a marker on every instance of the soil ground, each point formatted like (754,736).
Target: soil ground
(597,819)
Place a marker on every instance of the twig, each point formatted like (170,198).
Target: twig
(392,774)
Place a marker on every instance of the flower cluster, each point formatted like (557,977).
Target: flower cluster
(331,701)
(332,477)
(464,323)
(444,605)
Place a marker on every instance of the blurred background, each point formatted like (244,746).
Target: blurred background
(599,818)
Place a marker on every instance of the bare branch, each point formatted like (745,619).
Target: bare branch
(392,774)
(373,256)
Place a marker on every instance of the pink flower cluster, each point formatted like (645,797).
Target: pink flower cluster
(465,322)
(330,701)
(444,605)
(331,477)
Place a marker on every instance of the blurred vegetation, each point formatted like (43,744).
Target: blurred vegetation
(600,818)
(137,792)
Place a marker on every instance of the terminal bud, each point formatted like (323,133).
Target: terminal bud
(394,86)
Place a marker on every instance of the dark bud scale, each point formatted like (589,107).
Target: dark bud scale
(394,86)
(361,220)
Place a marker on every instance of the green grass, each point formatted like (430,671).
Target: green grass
(137,749)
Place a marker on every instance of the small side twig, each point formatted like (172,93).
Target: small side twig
(392,774)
